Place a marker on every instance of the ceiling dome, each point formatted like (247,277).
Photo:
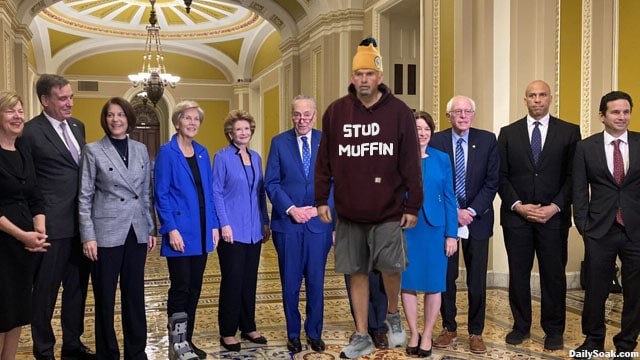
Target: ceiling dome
(128,18)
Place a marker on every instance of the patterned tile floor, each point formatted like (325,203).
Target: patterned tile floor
(338,323)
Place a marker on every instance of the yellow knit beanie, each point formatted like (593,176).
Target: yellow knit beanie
(367,56)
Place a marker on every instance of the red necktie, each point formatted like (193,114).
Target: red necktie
(618,173)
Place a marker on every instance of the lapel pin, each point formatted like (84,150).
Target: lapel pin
(473,146)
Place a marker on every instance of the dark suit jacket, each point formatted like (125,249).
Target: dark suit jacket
(57,173)
(594,214)
(545,183)
(483,166)
(287,185)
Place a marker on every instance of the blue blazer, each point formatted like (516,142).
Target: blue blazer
(483,175)
(239,195)
(287,185)
(176,198)
(439,207)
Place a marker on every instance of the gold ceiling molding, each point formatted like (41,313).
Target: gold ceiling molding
(248,23)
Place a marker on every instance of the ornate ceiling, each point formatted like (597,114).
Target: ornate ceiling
(226,34)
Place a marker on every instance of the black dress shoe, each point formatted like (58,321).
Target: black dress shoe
(230,347)
(587,348)
(317,345)
(413,350)
(81,353)
(294,345)
(553,342)
(516,337)
(256,340)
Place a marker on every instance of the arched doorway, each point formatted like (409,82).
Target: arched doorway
(147,129)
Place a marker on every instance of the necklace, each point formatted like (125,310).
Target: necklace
(123,155)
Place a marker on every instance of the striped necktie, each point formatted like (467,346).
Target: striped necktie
(461,194)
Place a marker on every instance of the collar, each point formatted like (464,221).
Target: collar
(608,138)
(465,137)
(544,121)
(54,122)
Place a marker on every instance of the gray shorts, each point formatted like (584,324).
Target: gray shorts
(361,248)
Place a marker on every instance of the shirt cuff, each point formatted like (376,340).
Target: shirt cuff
(472,211)
(289,209)
(513,207)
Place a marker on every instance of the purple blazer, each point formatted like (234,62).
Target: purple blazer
(239,195)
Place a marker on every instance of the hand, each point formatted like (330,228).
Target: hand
(324,212)
(525,210)
(300,214)
(464,217)
(34,241)
(333,238)
(450,246)
(175,241)
(39,224)
(227,234)
(151,244)
(90,250)
(542,214)
(216,238)
(267,234)
(408,221)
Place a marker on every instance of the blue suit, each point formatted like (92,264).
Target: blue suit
(302,248)
(437,220)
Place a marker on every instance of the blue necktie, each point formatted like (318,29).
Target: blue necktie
(306,155)
(536,142)
(461,194)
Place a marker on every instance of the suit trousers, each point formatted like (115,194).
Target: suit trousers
(239,277)
(476,254)
(600,258)
(303,255)
(186,275)
(62,263)
(126,262)
(378,303)
(550,247)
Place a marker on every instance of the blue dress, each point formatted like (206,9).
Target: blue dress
(437,219)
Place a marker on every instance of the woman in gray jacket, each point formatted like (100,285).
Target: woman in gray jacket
(117,228)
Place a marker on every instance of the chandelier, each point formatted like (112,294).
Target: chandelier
(153,76)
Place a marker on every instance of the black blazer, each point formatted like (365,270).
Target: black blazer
(595,214)
(547,182)
(20,199)
(483,166)
(57,173)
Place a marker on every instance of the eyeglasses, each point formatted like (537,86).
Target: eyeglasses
(460,111)
(303,116)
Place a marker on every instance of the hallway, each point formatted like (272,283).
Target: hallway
(338,323)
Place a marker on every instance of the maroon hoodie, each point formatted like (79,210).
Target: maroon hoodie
(373,157)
